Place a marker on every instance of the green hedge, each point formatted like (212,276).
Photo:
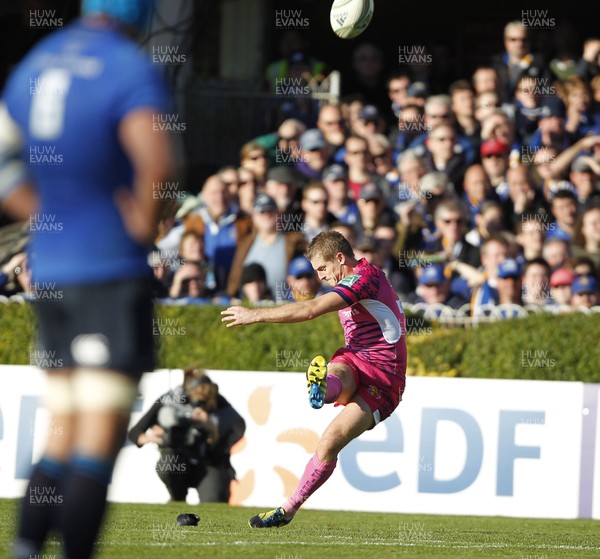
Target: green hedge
(541,347)
(16,333)
(544,347)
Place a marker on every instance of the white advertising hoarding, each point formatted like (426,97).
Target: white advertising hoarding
(454,446)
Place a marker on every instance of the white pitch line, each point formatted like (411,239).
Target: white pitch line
(444,545)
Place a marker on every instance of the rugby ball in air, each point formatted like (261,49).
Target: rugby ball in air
(349,18)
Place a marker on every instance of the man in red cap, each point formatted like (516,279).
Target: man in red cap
(560,286)
(494,158)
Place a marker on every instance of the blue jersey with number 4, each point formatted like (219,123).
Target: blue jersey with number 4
(68,96)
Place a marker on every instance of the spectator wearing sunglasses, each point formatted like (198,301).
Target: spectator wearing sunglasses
(314,205)
(189,282)
(417,224)
(516,60)
(444,154)
(358,160)
(246,192)
(331,124)
(485,104)
(254,157)
(382,157)
(451,227)
(397,86)
(437,111)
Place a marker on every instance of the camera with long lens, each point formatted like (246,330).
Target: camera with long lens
(181,431)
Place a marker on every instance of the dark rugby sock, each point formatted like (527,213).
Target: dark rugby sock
(85,503)
(40,507)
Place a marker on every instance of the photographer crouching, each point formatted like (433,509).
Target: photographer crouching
(195,428)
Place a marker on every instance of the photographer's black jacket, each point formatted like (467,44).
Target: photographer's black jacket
(230,423)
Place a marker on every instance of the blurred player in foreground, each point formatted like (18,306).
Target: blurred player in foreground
(78,148)
(367,376)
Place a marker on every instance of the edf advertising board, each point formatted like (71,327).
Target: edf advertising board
(454,446)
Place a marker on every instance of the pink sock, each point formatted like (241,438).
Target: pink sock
(334,388)
(315,474)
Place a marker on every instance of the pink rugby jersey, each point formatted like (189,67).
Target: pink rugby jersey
(374,323)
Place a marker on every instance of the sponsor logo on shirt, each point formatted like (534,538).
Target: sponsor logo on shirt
(349,281)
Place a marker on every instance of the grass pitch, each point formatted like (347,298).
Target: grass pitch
(150,531)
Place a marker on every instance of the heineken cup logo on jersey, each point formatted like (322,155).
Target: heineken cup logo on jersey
(349,281)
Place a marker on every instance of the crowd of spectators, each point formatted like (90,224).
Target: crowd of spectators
(484,195)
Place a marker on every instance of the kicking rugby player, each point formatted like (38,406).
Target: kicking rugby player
(367,376)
